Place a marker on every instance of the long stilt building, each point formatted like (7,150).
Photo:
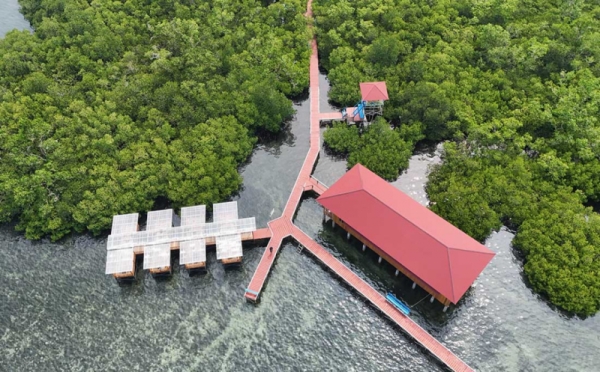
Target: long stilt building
(434,254)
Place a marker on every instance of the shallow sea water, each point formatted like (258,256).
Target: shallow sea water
(59,312)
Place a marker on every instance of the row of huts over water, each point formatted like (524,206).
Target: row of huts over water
(165,232)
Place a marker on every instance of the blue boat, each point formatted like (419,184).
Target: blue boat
(397,304)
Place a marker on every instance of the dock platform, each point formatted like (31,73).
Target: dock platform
(313,184)
(283,227)
(327,117)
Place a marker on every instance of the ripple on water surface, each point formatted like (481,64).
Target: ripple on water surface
(500,324)
(58,311)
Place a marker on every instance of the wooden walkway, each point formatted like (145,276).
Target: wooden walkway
(264,233)
(283,227)
(330,116)
(313,184)
(378,300)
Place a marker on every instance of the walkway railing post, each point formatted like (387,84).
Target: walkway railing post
(284,226)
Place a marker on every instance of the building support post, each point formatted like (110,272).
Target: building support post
(445,308)
(396,273)
(432,298)
(379,261)
(414,285)
(347,236)
(364,247)
(332,222)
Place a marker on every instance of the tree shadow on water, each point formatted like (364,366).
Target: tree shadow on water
(273,142)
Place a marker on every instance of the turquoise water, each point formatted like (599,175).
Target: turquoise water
(10,18)
(59,312)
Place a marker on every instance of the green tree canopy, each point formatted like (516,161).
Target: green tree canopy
(379,147)
(513,88)
(110,105)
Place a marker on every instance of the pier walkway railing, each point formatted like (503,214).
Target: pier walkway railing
(283,227)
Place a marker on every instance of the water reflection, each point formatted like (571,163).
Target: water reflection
(58,311)
(273,168)
(11,18)
(500,324)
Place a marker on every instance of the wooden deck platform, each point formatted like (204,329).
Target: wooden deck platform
(313,184)
(165,270)
(283,227)
(231,261)
(327,117)
(195,266)
(260,234)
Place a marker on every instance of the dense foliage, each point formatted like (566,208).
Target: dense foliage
(514,85)
(111,105)
(379,147)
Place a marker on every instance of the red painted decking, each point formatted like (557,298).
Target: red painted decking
(328,116)
(377,299)
(283,227)
(263,233)
(312,184)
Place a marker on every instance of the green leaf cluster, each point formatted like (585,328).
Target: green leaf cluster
(480,190)
(382,149)
(514,87)
(111,105)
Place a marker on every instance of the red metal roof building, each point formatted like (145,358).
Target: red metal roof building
(376,91)
(432,252)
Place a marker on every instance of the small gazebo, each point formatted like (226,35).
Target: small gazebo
(373,95)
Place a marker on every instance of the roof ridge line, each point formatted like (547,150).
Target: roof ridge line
(360,176)
(469,250)
(426,232)
(344,193)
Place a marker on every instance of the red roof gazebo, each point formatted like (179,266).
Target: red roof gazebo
(432,252)
(376,91)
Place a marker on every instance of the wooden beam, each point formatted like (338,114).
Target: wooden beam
(125,275)
(234,260)
(197,265)
(161,270)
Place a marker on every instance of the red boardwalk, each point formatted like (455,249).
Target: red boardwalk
(261,234)
(408,325)
(313,184)
(283,227)
(329,116)
(280,229)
